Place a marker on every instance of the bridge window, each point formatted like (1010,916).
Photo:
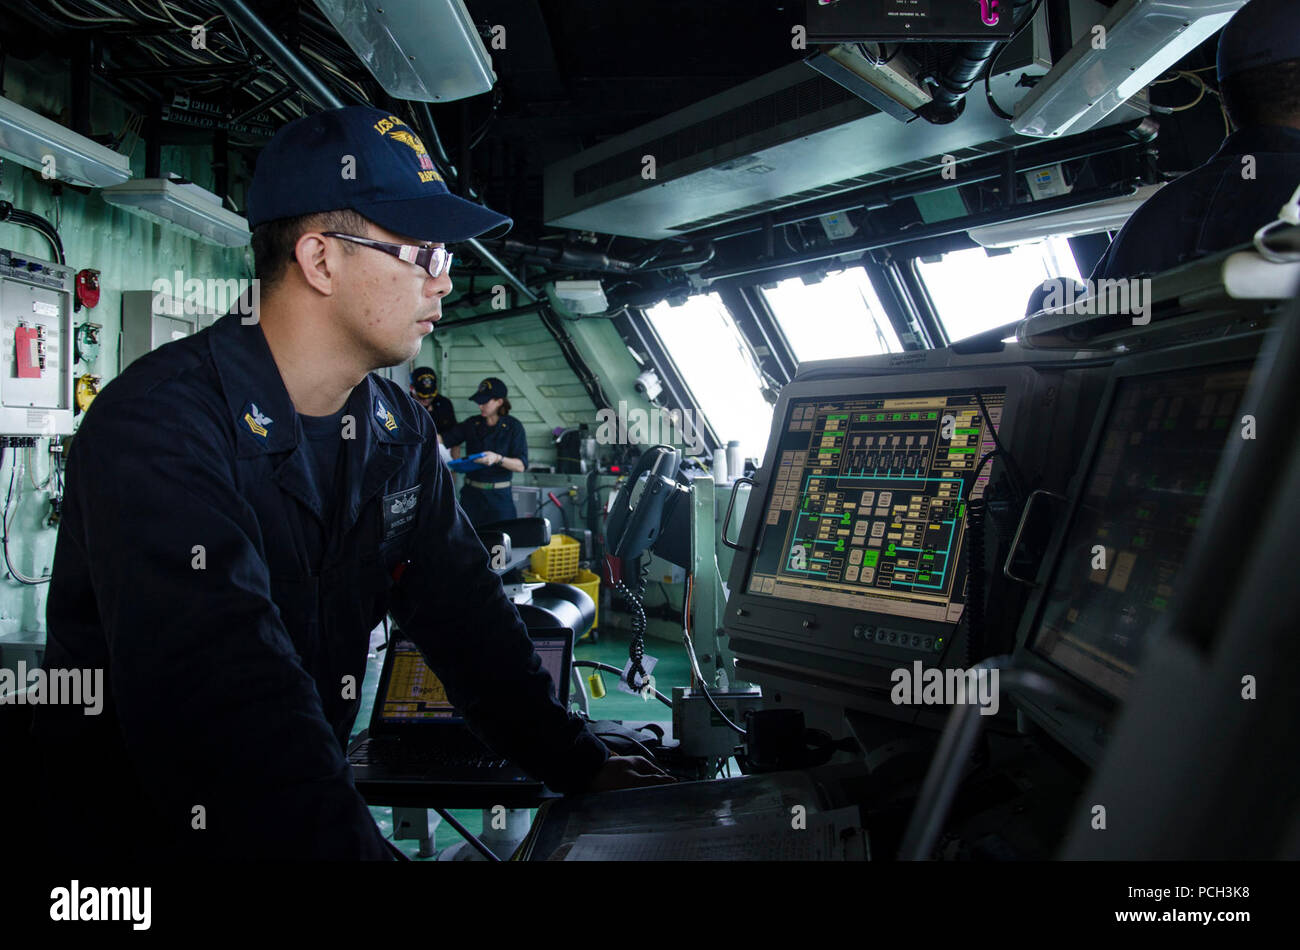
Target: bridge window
(974,290)
(837,316)
(703,341)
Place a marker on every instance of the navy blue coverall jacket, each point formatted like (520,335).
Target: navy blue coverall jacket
(233,625)
(443,413)
(1210,209)
(506,438)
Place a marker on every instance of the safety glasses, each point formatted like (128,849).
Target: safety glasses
(435,261)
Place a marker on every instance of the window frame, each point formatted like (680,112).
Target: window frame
(921,287)
(875,277)
(685,394)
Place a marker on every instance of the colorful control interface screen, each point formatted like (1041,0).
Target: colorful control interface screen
(415,694)
(868,501)
(1143,499)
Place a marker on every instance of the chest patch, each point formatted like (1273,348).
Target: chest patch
(400,509)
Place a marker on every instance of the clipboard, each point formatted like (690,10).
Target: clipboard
(467,464)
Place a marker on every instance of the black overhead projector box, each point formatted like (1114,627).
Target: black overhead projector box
(902,21)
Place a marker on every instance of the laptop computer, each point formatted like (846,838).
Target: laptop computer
(419,749)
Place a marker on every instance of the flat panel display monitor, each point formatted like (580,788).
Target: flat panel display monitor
(412,692)
(1115,567)
(868,499)
(855,543)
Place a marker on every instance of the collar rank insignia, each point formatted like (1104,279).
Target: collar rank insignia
(384,416)
(256,421)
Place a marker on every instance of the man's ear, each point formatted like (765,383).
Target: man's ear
(316,262)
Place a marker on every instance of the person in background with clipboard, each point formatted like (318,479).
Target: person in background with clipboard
(495,448)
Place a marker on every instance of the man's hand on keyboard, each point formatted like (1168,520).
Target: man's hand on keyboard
(628,771)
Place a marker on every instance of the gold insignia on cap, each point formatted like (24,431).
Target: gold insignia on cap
(412,141)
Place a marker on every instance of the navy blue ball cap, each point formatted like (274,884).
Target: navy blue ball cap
(425,381)
(370,161)
(490,388)
(1262,33)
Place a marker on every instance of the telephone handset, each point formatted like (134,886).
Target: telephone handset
(637,515)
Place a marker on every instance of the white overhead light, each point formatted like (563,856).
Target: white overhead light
(184,206)
(1132,46)
(30,139)
(1094,218)
(426,50)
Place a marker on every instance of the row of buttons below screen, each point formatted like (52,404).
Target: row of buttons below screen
(895,638)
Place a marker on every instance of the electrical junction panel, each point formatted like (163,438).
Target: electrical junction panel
(36,332)
(151,319)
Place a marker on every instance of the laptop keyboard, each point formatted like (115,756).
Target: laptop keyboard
(405,757)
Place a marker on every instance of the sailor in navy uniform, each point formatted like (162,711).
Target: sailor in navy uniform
(486,496)
(424,387)
(246,504)
(1219,205)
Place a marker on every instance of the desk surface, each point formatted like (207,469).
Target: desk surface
(691,805)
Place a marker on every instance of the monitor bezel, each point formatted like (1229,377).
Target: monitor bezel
(1022,383)
(1083,731)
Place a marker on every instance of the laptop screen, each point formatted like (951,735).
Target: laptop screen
(412,693)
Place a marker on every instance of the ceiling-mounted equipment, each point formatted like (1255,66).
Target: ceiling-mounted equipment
(182,205)
(905,80)
(1130,48)
(787,136)
(887,83)
(425,50)
(1075,222)
(902,21)
(30,139)
(784,138)
(582,296)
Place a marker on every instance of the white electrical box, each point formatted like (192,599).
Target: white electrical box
(149,320)
(36,325)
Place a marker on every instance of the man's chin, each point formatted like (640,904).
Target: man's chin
(396,358)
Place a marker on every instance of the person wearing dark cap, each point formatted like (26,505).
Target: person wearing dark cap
(295,498)
(1254,174)
(424,387)
(501,439)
